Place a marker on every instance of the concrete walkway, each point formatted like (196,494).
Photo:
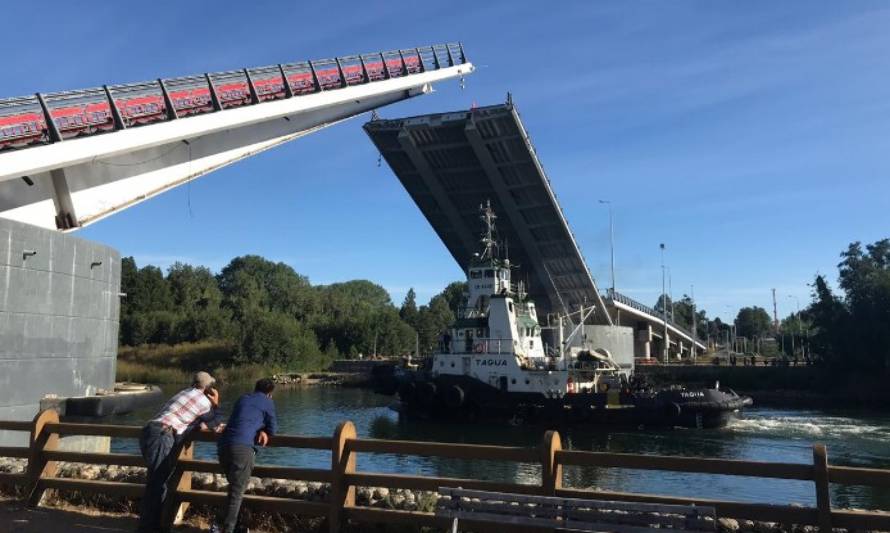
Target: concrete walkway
(15,518)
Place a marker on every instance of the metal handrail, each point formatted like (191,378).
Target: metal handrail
(104,96)
(643,308)
(482,345)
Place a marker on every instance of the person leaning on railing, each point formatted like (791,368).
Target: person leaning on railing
(252,422)
(161,438)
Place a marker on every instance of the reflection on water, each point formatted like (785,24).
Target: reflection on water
(761,434)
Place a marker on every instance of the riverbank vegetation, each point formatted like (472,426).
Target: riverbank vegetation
(851,330)
(262,314)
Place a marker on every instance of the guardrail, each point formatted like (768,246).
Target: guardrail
(43,455)
(643,308)
(54,117)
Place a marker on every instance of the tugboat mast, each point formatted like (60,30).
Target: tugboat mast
(489,242)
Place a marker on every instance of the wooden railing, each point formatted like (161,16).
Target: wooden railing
(43,456)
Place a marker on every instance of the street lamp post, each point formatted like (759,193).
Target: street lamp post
(799,328)
(694,332)
(671,293)
(664,315)
(730,332)
(611,241)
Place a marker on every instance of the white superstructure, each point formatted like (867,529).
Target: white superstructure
(497,340)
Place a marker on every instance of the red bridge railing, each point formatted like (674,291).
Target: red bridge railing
(54,117)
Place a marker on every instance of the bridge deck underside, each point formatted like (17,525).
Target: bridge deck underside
(450,163)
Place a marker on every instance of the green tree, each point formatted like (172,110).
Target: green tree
(357,316)
(830,319)
(408,311)
(150,291)
(277,338)
(197,298)
(717,329)
(851,332)
(147,313)
(455,294)
(752,322)
(251,282)
(664,301)
(432,321)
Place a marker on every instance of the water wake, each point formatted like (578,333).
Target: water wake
(804,426)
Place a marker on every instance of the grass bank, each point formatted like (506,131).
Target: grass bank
(164,363)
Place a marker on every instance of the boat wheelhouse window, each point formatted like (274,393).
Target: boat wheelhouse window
(510,306)
(475,274)
(489,273)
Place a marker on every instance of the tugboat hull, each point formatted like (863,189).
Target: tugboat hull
(456,397)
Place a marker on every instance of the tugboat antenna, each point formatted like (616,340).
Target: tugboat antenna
(489,242)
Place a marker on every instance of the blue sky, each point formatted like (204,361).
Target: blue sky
(752,138)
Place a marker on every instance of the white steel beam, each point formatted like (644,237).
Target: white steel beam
(77,182)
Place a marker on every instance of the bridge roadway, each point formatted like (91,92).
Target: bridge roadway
(650,328)
(451,163)
(75,172)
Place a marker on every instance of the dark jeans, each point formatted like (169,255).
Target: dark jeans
(237,464)
(157,448)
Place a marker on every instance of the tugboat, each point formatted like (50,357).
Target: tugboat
(492,363)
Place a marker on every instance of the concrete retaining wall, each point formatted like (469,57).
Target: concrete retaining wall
(742,378)
(59,307)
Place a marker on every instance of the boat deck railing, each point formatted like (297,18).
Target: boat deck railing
(480,346)
(343,477)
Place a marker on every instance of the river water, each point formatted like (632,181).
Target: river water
(762,434)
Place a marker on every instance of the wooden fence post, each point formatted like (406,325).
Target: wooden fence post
(823,497)
(551,470)
(342,463)
(174,508)
(38,466)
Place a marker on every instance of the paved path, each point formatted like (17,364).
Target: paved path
(15,518)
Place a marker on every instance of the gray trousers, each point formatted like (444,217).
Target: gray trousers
(237,464)
(157,447)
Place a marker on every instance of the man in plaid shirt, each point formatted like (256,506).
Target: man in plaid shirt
(162,437)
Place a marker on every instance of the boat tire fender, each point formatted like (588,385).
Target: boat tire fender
(454,396)
(426,393)
(407,391)
(672,409)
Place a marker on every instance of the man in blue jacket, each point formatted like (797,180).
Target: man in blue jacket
(251,424)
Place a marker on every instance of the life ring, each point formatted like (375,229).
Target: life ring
(478,347)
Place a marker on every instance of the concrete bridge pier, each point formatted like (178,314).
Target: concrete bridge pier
(658,346)
(643,344)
